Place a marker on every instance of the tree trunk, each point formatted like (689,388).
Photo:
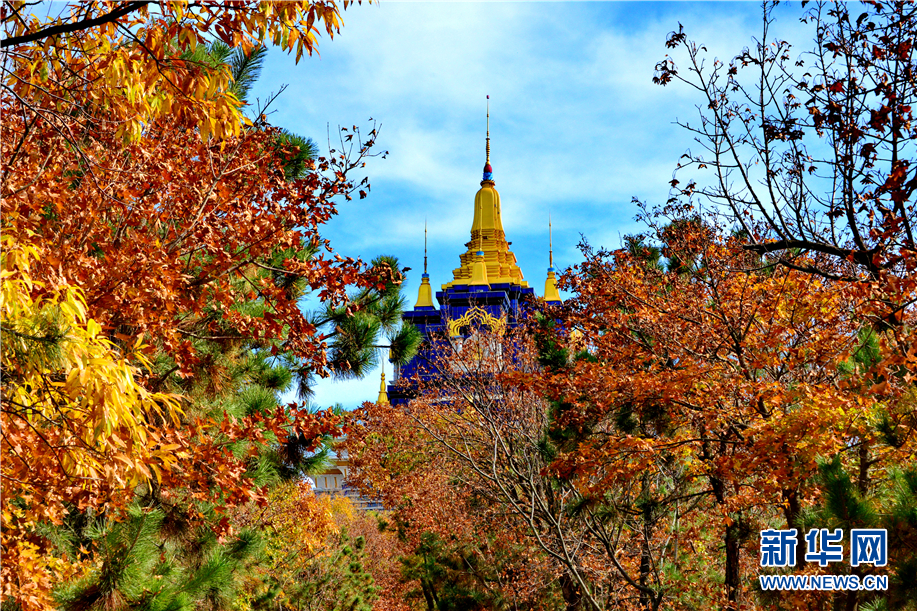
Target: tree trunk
(570,590)
(791,511)
(732,543)
(644,575)
(732,565)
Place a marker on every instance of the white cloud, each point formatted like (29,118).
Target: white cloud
(577,126)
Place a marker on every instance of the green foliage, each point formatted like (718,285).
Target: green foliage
(901,522)
(356,329)
(551,353)
(245,69)
(404,343)
(639,247)
(299,151)
(866,356)
(339,583)
(152,559)
(842,502)
(450,577)
(891,505)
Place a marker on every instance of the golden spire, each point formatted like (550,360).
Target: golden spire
(550,284)
(383,396)
(550,245)
(487,237)
(425,292)
(487,161)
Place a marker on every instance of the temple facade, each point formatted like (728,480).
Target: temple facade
(487,288)
(333,482)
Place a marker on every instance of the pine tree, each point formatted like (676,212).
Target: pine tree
(164,552)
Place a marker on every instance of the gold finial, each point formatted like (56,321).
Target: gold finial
(487,237)
(488,178)
(424,291)
(550,244)
(383,396)
(488,129)
(550,284)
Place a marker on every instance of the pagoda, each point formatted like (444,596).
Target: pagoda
(487,288)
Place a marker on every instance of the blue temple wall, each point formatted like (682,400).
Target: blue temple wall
(498,300)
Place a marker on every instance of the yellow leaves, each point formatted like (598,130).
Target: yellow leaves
(178,10)
(292,38)
(300,524)
(140,75)
(206,128)
(67,378)
(76,420)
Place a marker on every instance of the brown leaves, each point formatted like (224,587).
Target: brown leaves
(182,236)
(132,176)
(734,370)
(139,73)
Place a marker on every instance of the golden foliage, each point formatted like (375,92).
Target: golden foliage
(132,66)
(74,417)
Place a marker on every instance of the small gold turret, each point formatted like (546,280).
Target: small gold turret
(383,396)
(550,285)
(487,236)
(479,271)
(425,292)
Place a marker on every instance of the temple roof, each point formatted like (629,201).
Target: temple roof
(488,237)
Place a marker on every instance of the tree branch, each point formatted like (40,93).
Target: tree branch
(66,28)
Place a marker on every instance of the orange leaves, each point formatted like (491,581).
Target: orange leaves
(139,73)
(716,348)
(156,244)
(74,418)
(725,377)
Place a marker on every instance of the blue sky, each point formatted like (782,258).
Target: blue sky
(577,127)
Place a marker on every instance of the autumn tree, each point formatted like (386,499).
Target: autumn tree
(708,365)
(811,153)
(143,213)
(476,437)
(128,59)
(74,411)
(459,549)
(312,561)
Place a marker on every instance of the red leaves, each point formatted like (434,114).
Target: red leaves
(676,38)
(665,72)
(878,118)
